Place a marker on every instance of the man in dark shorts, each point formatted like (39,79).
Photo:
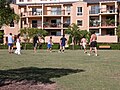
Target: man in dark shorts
(93,43)
(62,43)
(35,41)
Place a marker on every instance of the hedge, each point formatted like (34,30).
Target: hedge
(114,46)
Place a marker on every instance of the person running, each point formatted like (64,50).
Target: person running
(35,41)
(17,51)
(49,45)
(93,43)
(62,44)
(10,43)
(83,43)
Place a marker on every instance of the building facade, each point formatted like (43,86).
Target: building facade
(54,16)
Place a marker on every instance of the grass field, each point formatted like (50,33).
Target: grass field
(72,70)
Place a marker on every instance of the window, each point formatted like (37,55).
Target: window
(29,0)
(68,8)
(36,11)
(21,0)
(79,11)
(56,33)
(34,23)
(94,9)
(79,22)
(56,11)
(12,24)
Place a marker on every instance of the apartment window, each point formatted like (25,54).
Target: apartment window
(56,33)
(79,22)
(68,8)
(12,24)
(95,9)
(56,11)
(21,0)
(79,11)
(29,0)
(34,23)
(37,11)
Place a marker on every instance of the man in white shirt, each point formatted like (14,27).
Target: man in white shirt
(10,43)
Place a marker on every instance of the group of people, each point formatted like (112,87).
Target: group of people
(63,41)
(50,43)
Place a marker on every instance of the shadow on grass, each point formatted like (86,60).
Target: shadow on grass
(35,74)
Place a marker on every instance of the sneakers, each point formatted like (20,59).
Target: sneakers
(96,54)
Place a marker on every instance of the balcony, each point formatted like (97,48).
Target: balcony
(94,12)
(94,23)
(108,23)
(31,14)
(108,11)
(51,25)
(107,39)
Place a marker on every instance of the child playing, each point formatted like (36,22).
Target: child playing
(84,42)
(49,45)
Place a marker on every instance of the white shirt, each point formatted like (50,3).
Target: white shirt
(10,40)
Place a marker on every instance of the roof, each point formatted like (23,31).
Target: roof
(97,1)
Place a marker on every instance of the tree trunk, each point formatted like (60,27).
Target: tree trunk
(73,43)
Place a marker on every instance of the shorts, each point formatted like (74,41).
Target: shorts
(84,45)
(35,45)
(93,44)
(49,45)
(10,44)
(63,44)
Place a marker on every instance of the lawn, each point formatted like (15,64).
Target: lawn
(72,70)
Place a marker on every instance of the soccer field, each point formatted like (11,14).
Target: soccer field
(72,70)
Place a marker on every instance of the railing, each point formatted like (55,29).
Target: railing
(94,12)
(105,10)
(47,12)
(94,23)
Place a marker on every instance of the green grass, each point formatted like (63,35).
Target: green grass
(72,70)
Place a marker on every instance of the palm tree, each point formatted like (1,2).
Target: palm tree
(74,32)
(28,33)
(7,14)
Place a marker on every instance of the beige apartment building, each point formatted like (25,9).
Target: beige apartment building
(54,16)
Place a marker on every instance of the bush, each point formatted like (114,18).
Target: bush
(2,46)
(29,46)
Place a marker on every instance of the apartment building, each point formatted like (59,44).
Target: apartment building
(55,16)
(103,19)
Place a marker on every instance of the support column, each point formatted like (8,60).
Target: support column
(42,16)
(62,31)
(100,19)
(116,7)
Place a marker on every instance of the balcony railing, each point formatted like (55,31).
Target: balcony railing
(104,10)
(47,12)
(50,25)
(94,23)
(94,12)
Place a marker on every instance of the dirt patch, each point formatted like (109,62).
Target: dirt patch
(26,85)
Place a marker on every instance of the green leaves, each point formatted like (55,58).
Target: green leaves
(75,32)
(118,31)
(7,14)
(31,32)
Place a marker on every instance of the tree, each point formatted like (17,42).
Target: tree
(86,34)
(28,33)
(118,32)
(74,32)
(7,14)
